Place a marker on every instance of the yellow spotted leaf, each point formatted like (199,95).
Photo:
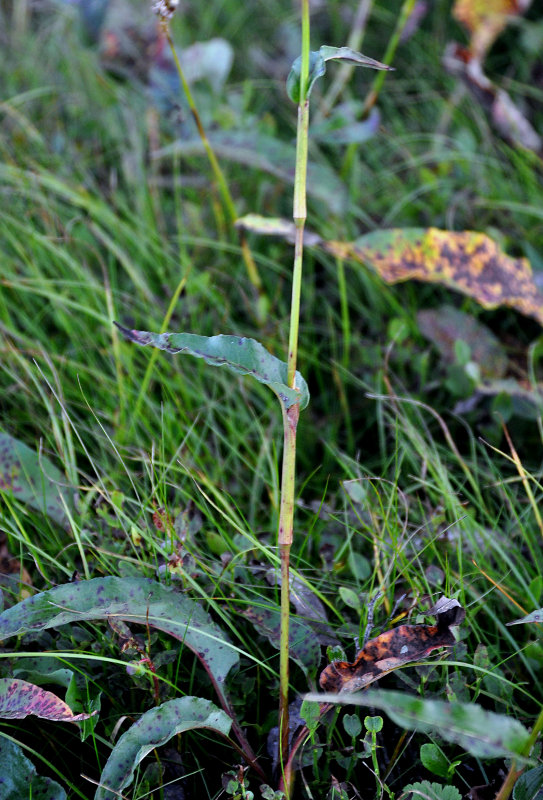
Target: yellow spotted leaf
(469,262)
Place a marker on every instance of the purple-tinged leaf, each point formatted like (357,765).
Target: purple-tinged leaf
(135,600)
(152,730)
(19,699)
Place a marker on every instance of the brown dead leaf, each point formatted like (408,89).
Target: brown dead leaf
(393,649)
(485,20)
(466,261)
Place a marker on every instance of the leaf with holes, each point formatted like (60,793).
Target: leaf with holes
(19,699)
(238,354)
(33,479)
(317,67)
(154,729)
(135,600)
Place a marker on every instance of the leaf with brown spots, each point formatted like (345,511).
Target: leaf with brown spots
(393,649)
(466,261)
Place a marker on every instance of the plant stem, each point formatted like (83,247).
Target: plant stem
(228,202)
(290,416)
(514,772)
(373,94)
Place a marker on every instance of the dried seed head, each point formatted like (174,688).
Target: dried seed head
(165,9)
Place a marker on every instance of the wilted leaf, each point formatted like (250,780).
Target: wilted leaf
(393,649)
(424,790)
(237,353)
(485,20)
(304,644)
(19,779)
(33,479)
(19,698)
(535,616)
(133,600)
(152,730)
(317,67)
(263,152)
(444,326)
(466,261)
(482,733)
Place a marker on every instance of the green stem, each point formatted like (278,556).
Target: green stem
(290,416)
(227,199)
(514,771)
(373,94)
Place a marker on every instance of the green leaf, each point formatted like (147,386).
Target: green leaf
(19,779)
(132,600)
(304,645)
(352,725)
(239,354)
(154,729)
(535,616)
(19,699)
(433,760)
(259,151)
(373,724)
(311,714)
(530,785)
(350,597)
(317,67)
(482,733)
(33,479)
(431,791)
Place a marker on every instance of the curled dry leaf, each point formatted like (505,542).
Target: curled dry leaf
(393,649)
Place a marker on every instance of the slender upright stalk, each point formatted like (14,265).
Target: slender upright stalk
(226,197)
(405,12)
(290,416)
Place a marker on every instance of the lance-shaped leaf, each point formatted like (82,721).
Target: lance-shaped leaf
(237,353)
(535,616)
(482,733)
(317,67)
(19,699)
(133,600)
(18,777)
(33,479)
(152,730)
